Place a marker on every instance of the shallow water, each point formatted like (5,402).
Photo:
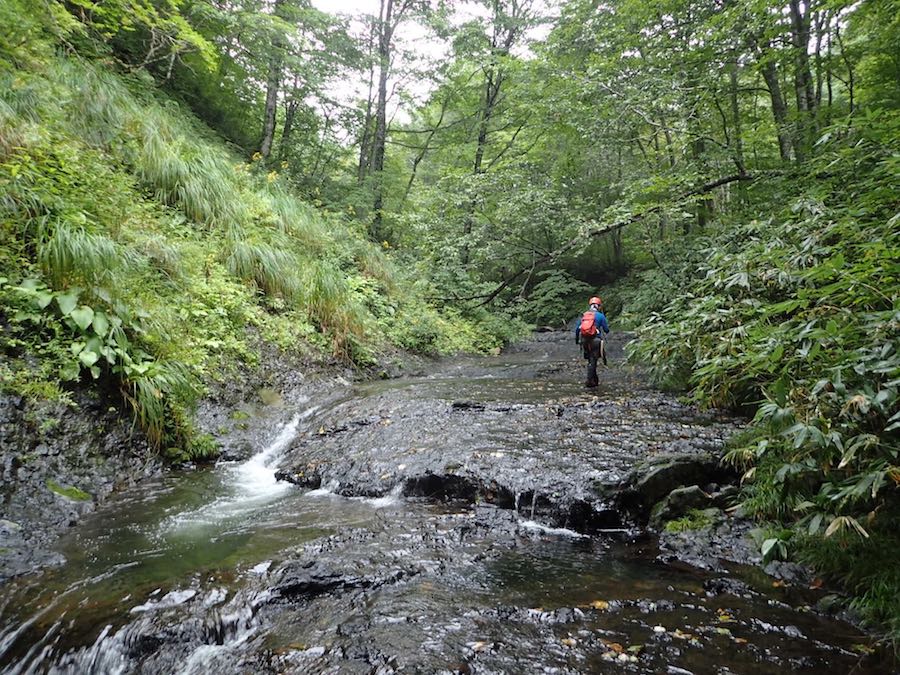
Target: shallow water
(187,573)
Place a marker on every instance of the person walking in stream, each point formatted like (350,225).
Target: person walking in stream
(590,332)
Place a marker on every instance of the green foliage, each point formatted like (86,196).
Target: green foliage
(556,298)
(796,316)
(138,252)
(695,519)
(867,568)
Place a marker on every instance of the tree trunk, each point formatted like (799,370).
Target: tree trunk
(289,113)
(445,102)
(273,82)
(378,142)
(365,145)
(847,63)
(803,82)
(737,132)
(779,109)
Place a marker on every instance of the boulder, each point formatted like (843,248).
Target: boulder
(678,502)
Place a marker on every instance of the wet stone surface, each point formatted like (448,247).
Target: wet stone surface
(486,517)
(518,431)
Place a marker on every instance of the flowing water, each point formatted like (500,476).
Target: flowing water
(228,570)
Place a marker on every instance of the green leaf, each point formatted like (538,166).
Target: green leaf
(815,524)
(768,547)
(44,298)
(76,347)
(70,371)
(101,324)
(67,302)
(88,358)
(83,316)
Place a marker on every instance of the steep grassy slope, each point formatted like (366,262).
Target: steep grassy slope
(137,251)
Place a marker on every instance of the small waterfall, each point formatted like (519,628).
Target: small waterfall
(558,531)
(251,484)
(327,490)
(534,498)
(390,499)
(256,477)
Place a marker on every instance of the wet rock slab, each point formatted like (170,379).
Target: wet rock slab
(518,431)
(57,462)
(473,591)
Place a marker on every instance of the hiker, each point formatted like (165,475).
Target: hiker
(588,334)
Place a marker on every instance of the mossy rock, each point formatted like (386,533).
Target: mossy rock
(71,492)
(695,519)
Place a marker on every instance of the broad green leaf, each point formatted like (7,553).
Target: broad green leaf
(88,358)
(67,302)
(43,298)
(100,323)
(83,316)
(815,523)
(94,344)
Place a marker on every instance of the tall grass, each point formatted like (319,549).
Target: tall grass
(300,222)
(203,186)
(272,270)
(69,255)
(97,103)
(152,396)
(163,256)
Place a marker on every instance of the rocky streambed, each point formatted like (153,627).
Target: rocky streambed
(487,515)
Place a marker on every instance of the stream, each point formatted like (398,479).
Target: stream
(483,517)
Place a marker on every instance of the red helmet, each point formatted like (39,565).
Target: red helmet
(595,301)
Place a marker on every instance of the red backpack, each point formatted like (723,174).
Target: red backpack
(588,324)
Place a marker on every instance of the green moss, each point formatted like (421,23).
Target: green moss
(695,519)
(70,492)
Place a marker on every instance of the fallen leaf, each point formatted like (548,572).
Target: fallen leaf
(778,583)
(817,583)
(600,604)
(569,642)
(741,641)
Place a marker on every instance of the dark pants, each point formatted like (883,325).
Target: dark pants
(591,348)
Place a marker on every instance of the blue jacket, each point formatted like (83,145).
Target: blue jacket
(599,321)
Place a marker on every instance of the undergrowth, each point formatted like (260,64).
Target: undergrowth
(795,315)
(137,250)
